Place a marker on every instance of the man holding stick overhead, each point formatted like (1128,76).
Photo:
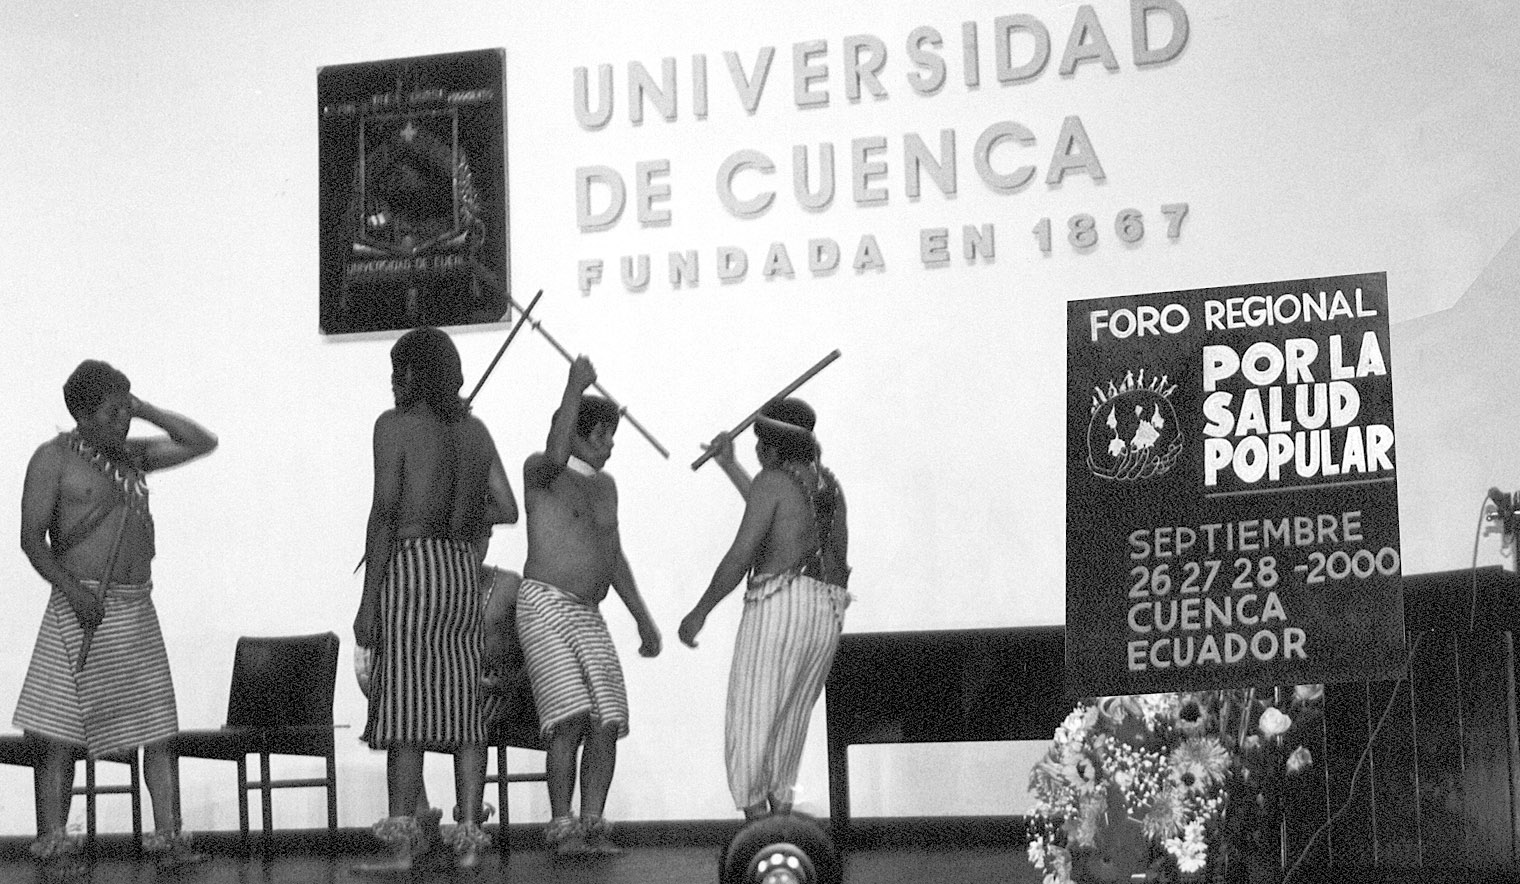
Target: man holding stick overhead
(99,676)
(439,485)
(792,542)
(574,555)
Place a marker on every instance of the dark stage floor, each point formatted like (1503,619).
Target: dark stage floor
(923,852)
(888,856)
(642,865)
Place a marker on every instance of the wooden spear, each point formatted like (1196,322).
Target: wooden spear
(785,392)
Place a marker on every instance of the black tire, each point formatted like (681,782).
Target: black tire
(790,835)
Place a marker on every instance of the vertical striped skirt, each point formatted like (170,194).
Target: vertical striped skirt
(124,695)
(782,654)
(425,684)
(572,662)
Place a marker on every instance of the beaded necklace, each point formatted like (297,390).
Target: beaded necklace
(129,480)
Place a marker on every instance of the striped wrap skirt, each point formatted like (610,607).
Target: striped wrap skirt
(572,662)
(124,695)
(425,683)
(785,645)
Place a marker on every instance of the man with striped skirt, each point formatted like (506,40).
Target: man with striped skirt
(439,485)
(792,542)
(99,676)
(574,554)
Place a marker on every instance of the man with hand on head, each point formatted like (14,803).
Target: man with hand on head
(99,675)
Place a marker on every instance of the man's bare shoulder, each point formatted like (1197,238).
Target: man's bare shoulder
(55,446)
(539,472)
(475,432)
(49,455)
(388,419)
(390,429)
(770,481)
(768,488)
(404,423)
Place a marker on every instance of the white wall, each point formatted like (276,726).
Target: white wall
(160,167)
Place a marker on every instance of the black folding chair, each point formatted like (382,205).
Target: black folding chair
(281,703)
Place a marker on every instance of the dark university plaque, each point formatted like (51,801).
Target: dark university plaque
(413,184)
(1232,504)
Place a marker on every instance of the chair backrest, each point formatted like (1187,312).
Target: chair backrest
(283,681)
(511,714)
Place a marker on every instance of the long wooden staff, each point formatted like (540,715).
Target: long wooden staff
(785,392)
(105,586)
(482,382)
(622,410)
(504,344)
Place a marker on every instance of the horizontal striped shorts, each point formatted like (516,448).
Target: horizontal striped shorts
(124,696)
(572,662)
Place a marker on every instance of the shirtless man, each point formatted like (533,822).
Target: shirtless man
(792,542)
(86,528)
(574,555)
(439,484)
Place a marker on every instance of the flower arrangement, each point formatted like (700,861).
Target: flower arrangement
(1167,785)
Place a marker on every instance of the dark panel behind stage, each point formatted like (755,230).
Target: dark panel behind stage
(939,686)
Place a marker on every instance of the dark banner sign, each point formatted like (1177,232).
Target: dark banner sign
(412,177)
(1232,503)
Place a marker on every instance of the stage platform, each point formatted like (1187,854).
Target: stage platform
(940,850)
(665,865)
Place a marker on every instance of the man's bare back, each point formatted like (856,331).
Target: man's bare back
(780,530)
(443,473)
(437,473)
(791,532)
